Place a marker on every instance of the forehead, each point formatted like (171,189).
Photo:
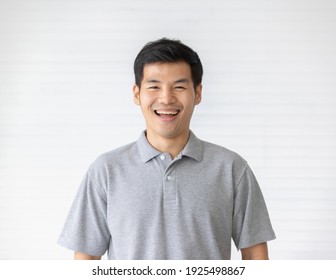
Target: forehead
(167,71)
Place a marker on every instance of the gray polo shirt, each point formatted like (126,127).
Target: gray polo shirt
(138,203)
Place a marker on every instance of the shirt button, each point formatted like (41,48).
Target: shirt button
(169,178)
(162,157)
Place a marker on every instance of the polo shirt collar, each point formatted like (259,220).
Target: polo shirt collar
(193,149)
(147,151)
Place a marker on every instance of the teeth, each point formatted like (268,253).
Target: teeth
(167,112)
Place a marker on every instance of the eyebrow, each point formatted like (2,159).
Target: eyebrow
(152,81)
(184,80)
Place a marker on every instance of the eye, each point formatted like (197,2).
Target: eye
(180,88)
(153,87)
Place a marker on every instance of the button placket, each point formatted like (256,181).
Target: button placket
(164,161)
(169,186)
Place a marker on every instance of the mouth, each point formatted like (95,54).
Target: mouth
(167,115)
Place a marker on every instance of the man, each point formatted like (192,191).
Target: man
(169,195)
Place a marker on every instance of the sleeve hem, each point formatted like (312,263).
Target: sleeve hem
(256,241)
(66,243)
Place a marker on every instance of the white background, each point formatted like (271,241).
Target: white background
(269,94)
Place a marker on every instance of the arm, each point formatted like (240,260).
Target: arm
(256,252)
(82,256)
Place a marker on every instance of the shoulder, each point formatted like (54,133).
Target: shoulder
(222,154)
(222,160)
(117,156)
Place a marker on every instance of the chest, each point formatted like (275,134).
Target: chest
(183,186)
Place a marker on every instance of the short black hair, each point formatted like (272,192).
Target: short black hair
(167,50)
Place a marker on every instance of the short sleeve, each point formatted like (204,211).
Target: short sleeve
(86,229)
(251,222)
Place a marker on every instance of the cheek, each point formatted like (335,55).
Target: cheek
(146,102)
(189,104)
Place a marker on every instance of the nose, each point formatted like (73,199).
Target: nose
(167,96)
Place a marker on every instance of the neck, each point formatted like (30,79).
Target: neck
(173,145)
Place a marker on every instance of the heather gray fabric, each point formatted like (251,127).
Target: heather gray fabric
(138,203)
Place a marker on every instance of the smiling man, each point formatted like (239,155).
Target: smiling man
(167,97)
(168,195)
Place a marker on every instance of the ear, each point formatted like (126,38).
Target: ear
(136,94)
(198,94)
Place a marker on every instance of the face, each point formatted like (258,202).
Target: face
(167,98)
